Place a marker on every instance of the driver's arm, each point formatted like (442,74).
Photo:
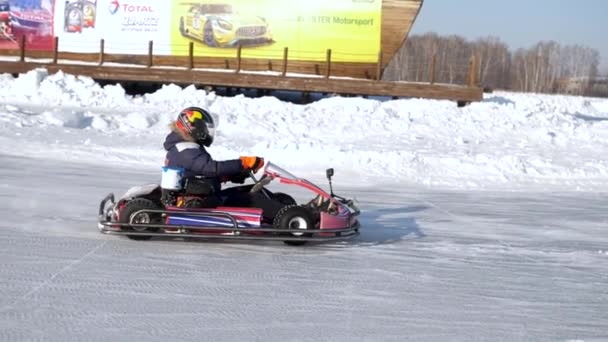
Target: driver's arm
(204,165)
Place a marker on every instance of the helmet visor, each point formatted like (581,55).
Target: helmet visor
(211,131)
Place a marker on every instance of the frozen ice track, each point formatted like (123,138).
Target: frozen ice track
(428,266)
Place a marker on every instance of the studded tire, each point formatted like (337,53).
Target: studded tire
(133,207)
(295,217)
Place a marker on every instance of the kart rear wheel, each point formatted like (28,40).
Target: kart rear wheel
(295,217)
(132,207)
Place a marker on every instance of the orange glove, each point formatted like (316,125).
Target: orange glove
(252,163)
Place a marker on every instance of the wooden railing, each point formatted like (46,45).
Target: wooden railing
(327,69)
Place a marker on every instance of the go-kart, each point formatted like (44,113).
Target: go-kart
(149,210)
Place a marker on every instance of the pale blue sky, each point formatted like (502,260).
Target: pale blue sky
(521,23)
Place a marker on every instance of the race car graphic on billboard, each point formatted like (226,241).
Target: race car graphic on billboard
(263,28)
(218,25)
(6,28)
(29,19)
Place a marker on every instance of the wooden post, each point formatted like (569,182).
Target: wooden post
(150,53)
(55,49)
(22,49)
(285,52)
(328,62)
(432,69)
(472,76)
(191,55)
(475,71)
(306,98)
(238,58)
(469,71)
(102,48)
(379,67)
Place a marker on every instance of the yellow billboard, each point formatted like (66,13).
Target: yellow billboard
(263,28)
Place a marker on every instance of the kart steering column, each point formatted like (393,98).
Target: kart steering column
(259,184)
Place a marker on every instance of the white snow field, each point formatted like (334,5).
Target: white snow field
(483,223)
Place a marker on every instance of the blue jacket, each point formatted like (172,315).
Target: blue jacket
(198,162)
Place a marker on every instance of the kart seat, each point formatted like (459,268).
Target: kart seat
(202,190)
(197,186)
(197,192)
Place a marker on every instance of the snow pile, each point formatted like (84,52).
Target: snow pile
(508,139)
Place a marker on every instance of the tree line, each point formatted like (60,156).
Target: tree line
(546,67)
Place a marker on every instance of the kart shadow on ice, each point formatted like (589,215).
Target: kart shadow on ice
(388,226)
(181,208)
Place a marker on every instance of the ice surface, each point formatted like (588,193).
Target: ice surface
(429,265)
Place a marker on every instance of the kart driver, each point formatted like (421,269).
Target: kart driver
(191,133)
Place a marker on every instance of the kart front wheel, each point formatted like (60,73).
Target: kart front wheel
(295,218)
(129,214)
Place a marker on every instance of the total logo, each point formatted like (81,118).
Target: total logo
(115,6)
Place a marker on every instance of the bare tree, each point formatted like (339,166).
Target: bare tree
(493,57)
(546,67)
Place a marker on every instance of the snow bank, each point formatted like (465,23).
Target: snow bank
(508,139)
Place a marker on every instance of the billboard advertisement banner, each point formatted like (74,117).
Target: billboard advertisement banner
(351,28)
(125,26)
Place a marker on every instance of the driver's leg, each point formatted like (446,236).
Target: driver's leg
(269,207)
(243,189)
(236,189)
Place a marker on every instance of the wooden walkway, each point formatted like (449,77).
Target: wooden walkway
(254,80)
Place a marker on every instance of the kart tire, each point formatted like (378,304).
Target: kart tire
(284,198)
(294,217)
(134,206)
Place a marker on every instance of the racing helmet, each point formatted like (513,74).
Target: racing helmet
(197,123)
